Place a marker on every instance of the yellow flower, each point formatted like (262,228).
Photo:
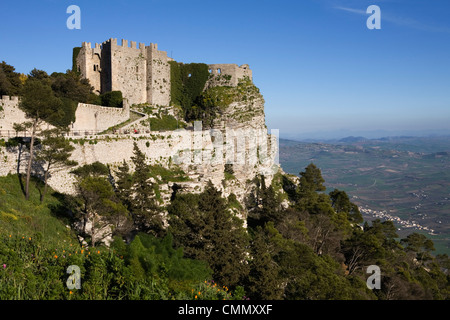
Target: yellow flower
(195,296)
(70,292)
(56,257)
(199,293)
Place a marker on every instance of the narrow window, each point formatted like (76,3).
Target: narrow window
(219,71)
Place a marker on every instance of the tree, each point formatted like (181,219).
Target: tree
(99,205)
(309,192)
(55,152)
(39,104)
(341,203)
(124,183)
(144,208)
(208,231)
(10,81)
(311,179)
(419,244)
(263,204)
(264,281)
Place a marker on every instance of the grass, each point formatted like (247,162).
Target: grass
(165,122)
(20,217)
(133,117)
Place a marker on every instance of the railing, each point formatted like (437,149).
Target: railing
(78,133)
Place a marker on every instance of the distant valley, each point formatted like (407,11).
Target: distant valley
(404,179)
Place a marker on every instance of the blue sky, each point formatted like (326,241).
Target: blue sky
(322,72)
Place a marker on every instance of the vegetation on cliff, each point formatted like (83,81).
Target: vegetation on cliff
(316,248)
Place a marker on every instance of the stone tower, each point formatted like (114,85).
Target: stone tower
(142,74)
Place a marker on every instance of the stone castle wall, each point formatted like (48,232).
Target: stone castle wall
(200,155)
(10,113)
(158,76)
(89,64)
(227,74)
(90,117)
(141,73)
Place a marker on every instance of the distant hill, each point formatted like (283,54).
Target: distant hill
(352,139)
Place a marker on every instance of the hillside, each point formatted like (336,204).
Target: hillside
(404,177)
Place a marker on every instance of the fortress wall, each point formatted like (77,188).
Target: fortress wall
(190,150)
(89,64)
(129,71)
(219,73)
(158,76)
(142,72)
(11,113)
(97,118)
(244,71)
(88,116)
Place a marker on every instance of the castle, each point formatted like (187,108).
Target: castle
(141,73)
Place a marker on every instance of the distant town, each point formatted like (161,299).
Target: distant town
(384,215)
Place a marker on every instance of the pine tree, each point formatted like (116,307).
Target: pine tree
(227,237)
(55,151)
(263,281)
(124,183)
(144,208)
(208,231)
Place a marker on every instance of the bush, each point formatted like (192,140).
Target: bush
(112,99)
(187,83)
(166,122)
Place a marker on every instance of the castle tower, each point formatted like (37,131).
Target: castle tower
(158,76)
(141,74)
(88,64)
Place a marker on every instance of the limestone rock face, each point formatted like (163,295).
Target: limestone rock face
(240,106)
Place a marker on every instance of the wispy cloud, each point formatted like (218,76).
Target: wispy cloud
(401,21)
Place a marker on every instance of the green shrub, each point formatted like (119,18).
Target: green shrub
(187,83)
(166,122)
(112,99)
(75,52)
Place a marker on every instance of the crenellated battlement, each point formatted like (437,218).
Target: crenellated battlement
(9,98)
(142,72)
